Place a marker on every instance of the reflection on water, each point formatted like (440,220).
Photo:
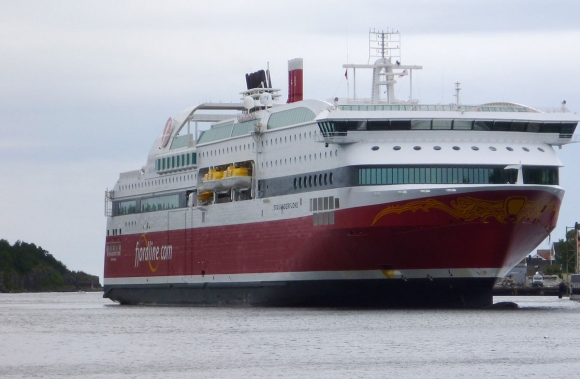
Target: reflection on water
(82,335)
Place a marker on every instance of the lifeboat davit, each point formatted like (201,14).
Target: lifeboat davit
(237,178)
(212,181)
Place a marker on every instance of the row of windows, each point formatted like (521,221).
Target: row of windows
(156,182)
(286,139)
(313,181)
(323,203)
(323,218)
(455,175)
(160,203)
(127,207)
(265,142)
(176,161)
(151,204)
(475,148)
(300,159)
(342,126)
(226,150)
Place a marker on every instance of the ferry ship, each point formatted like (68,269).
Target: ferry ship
(371,202)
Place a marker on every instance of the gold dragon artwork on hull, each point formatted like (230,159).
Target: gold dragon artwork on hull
(517,208)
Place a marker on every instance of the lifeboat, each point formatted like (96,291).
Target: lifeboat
(237,178)
(205,196)
(212,181)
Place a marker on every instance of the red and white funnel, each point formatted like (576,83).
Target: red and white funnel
(295,78)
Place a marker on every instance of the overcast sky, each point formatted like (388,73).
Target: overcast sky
(86,86)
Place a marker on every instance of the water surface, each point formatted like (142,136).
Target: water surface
(83,335)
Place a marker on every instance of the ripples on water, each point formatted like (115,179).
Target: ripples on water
(82,335)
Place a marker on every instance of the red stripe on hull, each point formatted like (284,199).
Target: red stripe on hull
(492,229)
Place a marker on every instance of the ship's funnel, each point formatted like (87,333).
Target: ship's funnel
(295,78)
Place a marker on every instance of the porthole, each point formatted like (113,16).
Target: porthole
(315,181)
(525,149)
(456,148)
(300,182)
(305,182)
(331,153)
(295,183)
(331,178)
(310,181)
(417,148)
(320,179)
(474,148)
(542,150)
(374,148)
(397,148)
(509,148)
(436,147)
(492,148)
(325,179)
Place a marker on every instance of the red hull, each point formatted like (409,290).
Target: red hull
(492,229)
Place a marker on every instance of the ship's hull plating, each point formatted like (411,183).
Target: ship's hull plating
(450,292)
(431,251)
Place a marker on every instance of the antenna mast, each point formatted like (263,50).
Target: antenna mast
(385,48)
(457,89)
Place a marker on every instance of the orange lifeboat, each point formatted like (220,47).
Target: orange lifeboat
(237,178)
(212,181)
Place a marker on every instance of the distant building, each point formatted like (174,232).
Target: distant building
(518,273)
(547,254)
(540,262)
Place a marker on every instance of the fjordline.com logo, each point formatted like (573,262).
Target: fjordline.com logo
(146,251)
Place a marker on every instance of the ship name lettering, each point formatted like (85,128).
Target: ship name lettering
(278,207)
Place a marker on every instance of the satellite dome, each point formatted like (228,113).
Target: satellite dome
(248,102)
(266,99)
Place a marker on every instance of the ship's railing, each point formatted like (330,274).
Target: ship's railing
(130,174)
(361,105)
(109,203)
(553,109)
(346,138)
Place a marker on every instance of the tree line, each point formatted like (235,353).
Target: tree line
(27,267)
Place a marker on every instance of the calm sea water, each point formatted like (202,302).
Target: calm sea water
(83,335)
